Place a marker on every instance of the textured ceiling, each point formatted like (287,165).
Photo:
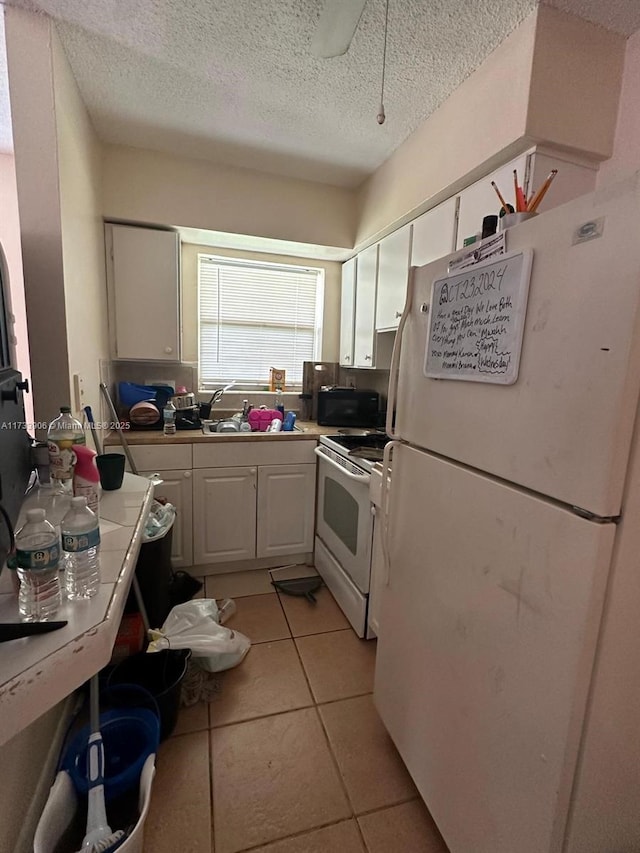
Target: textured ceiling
(234,81)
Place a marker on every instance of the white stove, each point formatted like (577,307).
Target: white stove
(361,450)
(344,536)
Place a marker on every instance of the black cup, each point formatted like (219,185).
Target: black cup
(111,469)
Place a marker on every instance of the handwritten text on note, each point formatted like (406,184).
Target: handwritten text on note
(477,321)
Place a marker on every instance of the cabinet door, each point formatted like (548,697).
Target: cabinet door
(393,274)
(434,233)
(177,489)
(224,514)
(347,312)
(286,509)
(365,307)
(480,199)
(143,293)
(572,180)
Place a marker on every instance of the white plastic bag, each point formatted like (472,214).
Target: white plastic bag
(196,625)
(159,521)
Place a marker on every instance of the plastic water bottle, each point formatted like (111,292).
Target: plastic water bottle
(64,432)
(37,555)
(169,418)
(81,544)
(280,401)
(56,505)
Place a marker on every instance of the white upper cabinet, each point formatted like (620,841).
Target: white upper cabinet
(480,199)
(347,312)
(143,286)
(533,167)
(572,180)
(434,233)
(393,274)
(364,336)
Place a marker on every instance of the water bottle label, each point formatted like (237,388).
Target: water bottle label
(83,488)
(38,558)
(81,541)
(62,458)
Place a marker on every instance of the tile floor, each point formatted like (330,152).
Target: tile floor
(291,756)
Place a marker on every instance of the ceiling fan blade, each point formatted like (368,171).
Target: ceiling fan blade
(337,24)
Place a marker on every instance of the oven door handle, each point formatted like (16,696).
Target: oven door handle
(359,478)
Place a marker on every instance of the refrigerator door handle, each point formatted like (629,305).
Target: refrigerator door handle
(384,507)
(395,358)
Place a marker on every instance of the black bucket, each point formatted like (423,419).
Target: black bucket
(161,673)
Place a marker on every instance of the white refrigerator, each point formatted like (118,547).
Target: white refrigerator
(508,662)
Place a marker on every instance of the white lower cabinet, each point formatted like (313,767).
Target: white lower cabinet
(224,515)
(286,509)
(228,511)
(176,488)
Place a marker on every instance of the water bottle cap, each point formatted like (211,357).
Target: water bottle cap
(37,514)
(79,501)
(66,410)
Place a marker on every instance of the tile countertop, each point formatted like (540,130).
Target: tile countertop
(37,672)
(307,430)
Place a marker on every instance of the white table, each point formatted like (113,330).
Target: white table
(38,672)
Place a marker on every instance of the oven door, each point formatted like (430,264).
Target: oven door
(344,519)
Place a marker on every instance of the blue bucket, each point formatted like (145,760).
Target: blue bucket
(129,735)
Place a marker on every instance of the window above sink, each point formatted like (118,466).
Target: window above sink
(253,316)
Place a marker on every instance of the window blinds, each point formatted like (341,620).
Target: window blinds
(254,316)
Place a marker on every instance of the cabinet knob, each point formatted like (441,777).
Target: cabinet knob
(252,470)
(367,358)
(187,474)
(168,350)
(398,315)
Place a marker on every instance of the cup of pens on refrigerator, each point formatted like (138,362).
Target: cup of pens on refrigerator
(524,208)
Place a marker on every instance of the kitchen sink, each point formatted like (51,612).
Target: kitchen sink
(232,427)
(239,434)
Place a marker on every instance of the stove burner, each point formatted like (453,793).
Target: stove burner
(373,441)
(372,454)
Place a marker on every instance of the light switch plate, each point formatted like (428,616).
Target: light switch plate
(78,392)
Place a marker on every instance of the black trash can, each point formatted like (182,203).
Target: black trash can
(162,674)
(155,575)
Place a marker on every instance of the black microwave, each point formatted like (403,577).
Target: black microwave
(346,407)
